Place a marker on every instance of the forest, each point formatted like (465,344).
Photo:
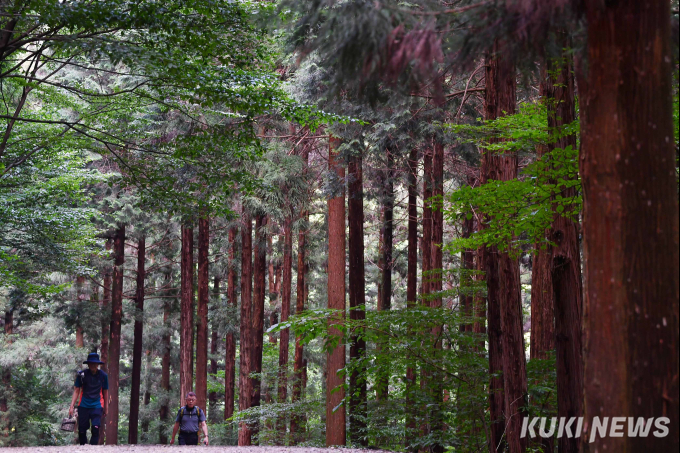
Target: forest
(426,226)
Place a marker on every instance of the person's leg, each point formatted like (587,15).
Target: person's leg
(192,439)
(96,418)
(182,440)
(83,424)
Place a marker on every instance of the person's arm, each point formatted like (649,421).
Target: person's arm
(74,398)
(204,426)
(105,394)
(174,432)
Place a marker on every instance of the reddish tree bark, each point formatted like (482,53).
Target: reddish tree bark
(542,306)
(296,420)
(565,262)
(357,298)
(542,337)
(137,343)
(202,313)
(230,341)
(212,396)
(630,221)
(489,259)
(186,336)
(246,343)
(106,316)
(335,394)
(259,288)
(285,313)
(114,344)
(500,101)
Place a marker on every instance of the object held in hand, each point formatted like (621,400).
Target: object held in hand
(68,424)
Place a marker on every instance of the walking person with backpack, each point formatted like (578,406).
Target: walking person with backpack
(91,392)
(189,419)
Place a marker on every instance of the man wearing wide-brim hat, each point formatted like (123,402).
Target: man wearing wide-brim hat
(91,391)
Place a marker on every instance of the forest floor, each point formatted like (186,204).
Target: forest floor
(168,448)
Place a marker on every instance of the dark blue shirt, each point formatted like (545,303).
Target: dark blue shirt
(92,384)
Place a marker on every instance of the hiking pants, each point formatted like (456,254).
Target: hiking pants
(87,416)
(186,438)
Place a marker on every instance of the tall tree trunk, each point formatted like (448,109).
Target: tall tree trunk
(489,259)
(285,313)
(335,394)
(186,335)
(106,317)
(246,343)
(411,287)
(500,100)
(114,345)
(137,343)
(165,362)
(542,339)
(542,306)
(385,301)
(565,262)
(630,222)
(202,312)
(230,343)
(212,397)
(296,420)
(259,276)
(357,298)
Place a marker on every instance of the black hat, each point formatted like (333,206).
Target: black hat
(93,357)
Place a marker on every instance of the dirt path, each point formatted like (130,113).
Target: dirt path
(169,449)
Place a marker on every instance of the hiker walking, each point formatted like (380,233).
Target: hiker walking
(189,419)
(91,392)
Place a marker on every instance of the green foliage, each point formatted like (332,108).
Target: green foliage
(520,132)
(459,370)
(517,213)
(45,223)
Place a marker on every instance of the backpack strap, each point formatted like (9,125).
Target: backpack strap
(181,413)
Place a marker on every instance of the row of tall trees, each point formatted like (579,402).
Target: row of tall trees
(458,175)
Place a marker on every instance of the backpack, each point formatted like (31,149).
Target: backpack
(181,413)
